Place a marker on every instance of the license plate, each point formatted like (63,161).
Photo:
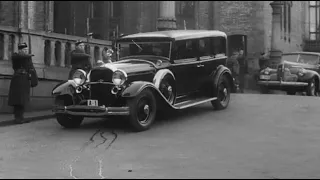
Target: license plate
(92,102)
(266,77)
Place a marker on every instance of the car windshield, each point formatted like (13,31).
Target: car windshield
(308,59)
(290,57)
(302,58)
(144,48)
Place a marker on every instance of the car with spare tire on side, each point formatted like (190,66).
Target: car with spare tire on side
(154,71)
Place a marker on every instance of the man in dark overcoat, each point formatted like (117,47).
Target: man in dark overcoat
(19,92)
(242,70)
(79,59)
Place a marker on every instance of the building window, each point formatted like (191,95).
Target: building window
(96,9)
(314,7)
(185,8)
(115,9)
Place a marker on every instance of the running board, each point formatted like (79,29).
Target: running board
(193,102)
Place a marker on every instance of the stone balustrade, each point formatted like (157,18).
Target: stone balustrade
(51,50)
(51,60)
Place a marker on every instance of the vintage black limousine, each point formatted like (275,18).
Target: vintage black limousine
(156,70)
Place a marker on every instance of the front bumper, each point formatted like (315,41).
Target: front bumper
(282,83)
(90,111)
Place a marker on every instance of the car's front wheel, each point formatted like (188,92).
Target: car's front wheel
(69,121)
(264,90)
(143,110)
(223,94)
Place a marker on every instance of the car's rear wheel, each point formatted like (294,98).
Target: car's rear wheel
(68,121)
(311,89)
(291,92)
(143,110)
(223,93)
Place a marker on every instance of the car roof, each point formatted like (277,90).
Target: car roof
(176,34)
(302,52)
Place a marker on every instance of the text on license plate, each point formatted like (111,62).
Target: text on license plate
(267,77)
(92,102)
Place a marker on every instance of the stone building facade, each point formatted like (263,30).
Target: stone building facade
(52,27)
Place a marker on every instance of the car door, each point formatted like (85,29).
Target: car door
(186,66)
(212,54)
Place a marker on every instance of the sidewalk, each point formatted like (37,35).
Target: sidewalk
(8,119)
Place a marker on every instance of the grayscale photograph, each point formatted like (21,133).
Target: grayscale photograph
(159,89)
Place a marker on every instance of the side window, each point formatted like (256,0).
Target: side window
(205,47)
(185,49)
(219,46)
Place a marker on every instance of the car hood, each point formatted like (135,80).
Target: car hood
(131,66)
(290,64)
(293,64)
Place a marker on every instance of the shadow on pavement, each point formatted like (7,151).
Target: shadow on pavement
(120,124)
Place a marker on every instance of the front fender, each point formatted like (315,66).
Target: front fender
(310,74)
(223,70)
(65,87)
(135,88)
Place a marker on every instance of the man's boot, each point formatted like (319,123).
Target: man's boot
(22,116)
(18,114)
(17,118)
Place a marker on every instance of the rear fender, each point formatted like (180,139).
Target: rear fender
(63,88)
(217,74)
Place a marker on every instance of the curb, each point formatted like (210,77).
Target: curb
(31,119)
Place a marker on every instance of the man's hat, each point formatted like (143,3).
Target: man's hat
(79,42)
(22,45)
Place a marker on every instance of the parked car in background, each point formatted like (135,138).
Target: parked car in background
(297,72)
(156,71)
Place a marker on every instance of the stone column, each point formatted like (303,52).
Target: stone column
(275,53)
(52,55)
(23,14)
(62,56)
(167,19)
(6,46)
(49,9)
(100,52)
(92,55)
(31,14)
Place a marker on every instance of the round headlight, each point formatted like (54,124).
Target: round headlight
(79,76)
(119,77)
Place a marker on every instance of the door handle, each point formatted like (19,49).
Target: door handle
(200,65)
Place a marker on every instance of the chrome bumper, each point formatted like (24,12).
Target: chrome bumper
(90,111)
(281,83)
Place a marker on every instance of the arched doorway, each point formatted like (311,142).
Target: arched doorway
(237,42)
